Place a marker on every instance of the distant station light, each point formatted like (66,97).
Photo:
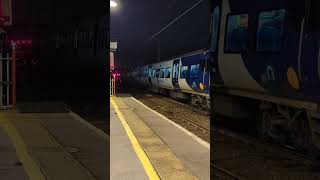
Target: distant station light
(113,4)
(21,42)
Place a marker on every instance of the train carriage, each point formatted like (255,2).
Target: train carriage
(185,77)
(266,55)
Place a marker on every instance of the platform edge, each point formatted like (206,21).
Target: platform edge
(196,138)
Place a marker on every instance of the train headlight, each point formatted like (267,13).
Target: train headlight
(293,78)
(201,86)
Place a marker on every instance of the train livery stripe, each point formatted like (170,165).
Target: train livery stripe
(30,166)
(136,145)
(196,138)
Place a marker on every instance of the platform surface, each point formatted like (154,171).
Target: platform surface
(173,153)
(58,146)
(10,165)
(124,162)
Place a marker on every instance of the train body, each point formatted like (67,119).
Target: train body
(186,77)
(265,54)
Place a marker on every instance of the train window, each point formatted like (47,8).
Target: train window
(194,71)
(184,72)
(215,28)
(157,73)
(163,71)
(168,72)
(270,30)
(236,33)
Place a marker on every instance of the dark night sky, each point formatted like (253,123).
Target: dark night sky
(134,23)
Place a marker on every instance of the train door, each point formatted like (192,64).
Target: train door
(308,71)
(175,73)
(205,66)
(150,75)
(215,26)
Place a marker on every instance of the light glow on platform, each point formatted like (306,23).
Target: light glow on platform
(113,4)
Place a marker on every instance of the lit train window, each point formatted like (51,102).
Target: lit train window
(157,73)
(168,72)
(236,33)
(184,72)
(270,30)
(163,71)
(194,71)
(215,27)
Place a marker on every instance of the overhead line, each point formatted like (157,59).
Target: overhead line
(156,34)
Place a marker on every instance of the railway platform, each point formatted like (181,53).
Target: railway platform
(147,145)
(58,145)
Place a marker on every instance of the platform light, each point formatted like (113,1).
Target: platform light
(113,4)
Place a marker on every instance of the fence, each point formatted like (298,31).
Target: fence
(8,80)
(112,86)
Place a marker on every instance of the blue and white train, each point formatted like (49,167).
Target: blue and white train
(185,77)
(266,54)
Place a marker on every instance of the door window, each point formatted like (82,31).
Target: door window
(236,39)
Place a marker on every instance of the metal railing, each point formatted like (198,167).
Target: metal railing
(112,86)
(8,80)
(5,81)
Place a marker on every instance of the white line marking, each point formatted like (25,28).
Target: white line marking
(196,138)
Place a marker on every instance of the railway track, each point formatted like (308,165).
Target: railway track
(237,156)
(218,173)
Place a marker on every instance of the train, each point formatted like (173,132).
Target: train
(265,64)
(185,76)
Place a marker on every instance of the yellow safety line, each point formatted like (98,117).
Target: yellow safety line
(29,164)
(136,145)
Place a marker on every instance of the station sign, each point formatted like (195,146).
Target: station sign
(113,46)
(5,12)
(111,60)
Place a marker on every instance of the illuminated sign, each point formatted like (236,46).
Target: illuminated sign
(21,42)
(113,46)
